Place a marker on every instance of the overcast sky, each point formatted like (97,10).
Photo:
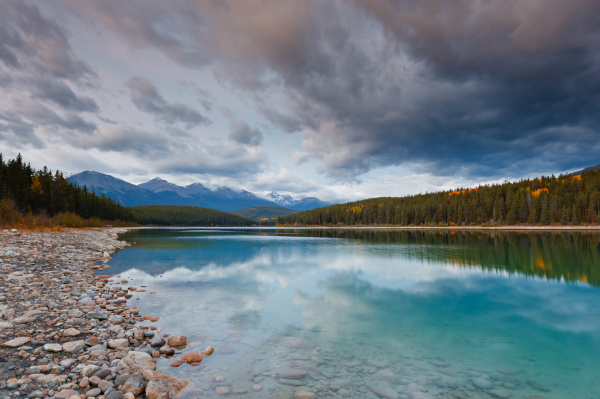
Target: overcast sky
(334,99)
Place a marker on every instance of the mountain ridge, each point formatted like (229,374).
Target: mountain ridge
(158,191)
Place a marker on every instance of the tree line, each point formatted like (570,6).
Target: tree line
(179,215)
(41,192)
(563,200)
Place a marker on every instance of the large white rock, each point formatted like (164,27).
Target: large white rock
(138,362)
(53,347)
(73,346)
(14,343)
(120,343)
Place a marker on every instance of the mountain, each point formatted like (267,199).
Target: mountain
(161,192)
(289,202)
(119,190)
(280,199)
(588,169)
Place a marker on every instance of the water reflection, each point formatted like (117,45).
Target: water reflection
(414,313)
(566,256)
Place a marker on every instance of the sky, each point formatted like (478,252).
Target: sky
(341,100)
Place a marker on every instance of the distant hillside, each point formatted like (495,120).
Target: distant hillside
(595,167)
(566,200)
(264,212)
(161,192)
(166,215)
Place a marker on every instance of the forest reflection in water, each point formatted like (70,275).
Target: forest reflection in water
(569,256)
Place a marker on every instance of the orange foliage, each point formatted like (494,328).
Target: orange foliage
(462,191)
(537,192)
(36,186)
(577,177)
(356,209)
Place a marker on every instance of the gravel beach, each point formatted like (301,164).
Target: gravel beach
(66,330)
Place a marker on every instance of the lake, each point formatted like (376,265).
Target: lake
(375,313)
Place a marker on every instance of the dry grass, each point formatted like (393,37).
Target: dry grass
(10,218)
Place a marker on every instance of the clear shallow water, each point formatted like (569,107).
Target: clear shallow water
(409,314)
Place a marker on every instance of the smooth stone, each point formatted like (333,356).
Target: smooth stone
(294,383)
(137,362)
(160,386)
(134,385)
(92,341)
(73,346)
(65,394)
(71,332)
(293,374)
(103,373)
(208,351)
(152,375)
(192,357)
(439,363)
(508,371)
(53,348)
(222,390)
(482,383)
(498,393)
(86,301)
(380,364)
(115,395)
(15,343)
(256,387)
(166,350)
(36,394)
(117,319)
(24,319)
(177,340)
(537,386)
(92,393)
(157,341)
(5,324)
(384,391)
(385,375)
(97,315)
(89,370)
(121,343)
(304,395)
(74,313)
(145,350)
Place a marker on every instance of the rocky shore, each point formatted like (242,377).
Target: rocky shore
(65,329)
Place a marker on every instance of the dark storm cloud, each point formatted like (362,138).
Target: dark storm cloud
(146,97)
(61,94)
(28,39)
(243,134)
(476,88)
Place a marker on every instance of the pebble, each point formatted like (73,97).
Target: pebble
(304,395)
(54,306)
(482,383)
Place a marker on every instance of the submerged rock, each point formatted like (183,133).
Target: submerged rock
(293,374)
(384,391)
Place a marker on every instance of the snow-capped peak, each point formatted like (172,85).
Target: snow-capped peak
(280,199)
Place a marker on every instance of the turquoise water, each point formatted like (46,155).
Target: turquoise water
(370,314)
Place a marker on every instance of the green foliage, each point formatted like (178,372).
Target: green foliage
(264,212)
(27,192)
(172,215)
(564,200)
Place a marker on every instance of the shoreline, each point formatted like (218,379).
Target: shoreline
(66,332)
